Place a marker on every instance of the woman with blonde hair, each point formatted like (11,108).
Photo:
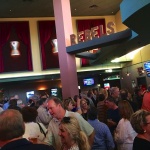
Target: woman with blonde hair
(72,137)
(140,122)
(68,104)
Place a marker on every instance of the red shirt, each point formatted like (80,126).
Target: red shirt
(146,102)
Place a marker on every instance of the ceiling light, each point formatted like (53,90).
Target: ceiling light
(108,70)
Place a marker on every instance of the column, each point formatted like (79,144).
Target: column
(67,62)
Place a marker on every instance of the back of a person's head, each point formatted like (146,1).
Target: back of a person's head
(29,114)
(42,100)
(92,113)
(100,97)
(72,126)
(11,125)
(89,93)
(112,90)
(111,99)
(124,94)
(76,97)
(13,102)
(136,90)
(125,109)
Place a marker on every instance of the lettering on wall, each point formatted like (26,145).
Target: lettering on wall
(91,34)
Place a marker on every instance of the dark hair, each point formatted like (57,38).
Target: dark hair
(42,100)
(124,94)
(111,99)
(100,97)
(29,114)
(11,125)
(13,102)
(92,113)
(76,97)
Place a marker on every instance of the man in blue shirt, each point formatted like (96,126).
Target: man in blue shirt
(103,139)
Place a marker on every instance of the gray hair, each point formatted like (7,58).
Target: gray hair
(11,125)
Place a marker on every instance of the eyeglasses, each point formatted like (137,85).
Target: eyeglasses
(66,120)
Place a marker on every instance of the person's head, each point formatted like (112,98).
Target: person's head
(11,125)
(110,102)
(95,91)
(140,122)
(68,104)
(55,108)
(90,93)
(43,102)
(13,102)
(70,132)
(84,104)
(124,94)
(76,97)
(92,113)
(100,97)
(138,91)
(125,109)
(29,114)
(114,92)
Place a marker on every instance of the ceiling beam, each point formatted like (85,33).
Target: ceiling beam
(103,41)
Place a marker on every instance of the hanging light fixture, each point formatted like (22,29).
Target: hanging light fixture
(15,48)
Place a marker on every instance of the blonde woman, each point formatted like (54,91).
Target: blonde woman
(69,104)
(72,137)
(140,121)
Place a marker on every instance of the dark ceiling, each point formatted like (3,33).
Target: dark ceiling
(44,8)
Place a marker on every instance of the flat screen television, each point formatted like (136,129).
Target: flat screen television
(88,81)
(106,86)
(54,92)
(29,95)
(147,65)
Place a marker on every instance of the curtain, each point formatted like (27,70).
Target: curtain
(83,25)
(5,29)
(22,30)
(46,30)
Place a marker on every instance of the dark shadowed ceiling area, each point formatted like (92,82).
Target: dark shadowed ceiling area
(44,8)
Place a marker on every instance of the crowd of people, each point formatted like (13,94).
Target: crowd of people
(98,119)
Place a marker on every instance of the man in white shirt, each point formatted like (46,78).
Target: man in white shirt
(55,108)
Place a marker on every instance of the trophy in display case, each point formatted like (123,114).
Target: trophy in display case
(15,48)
